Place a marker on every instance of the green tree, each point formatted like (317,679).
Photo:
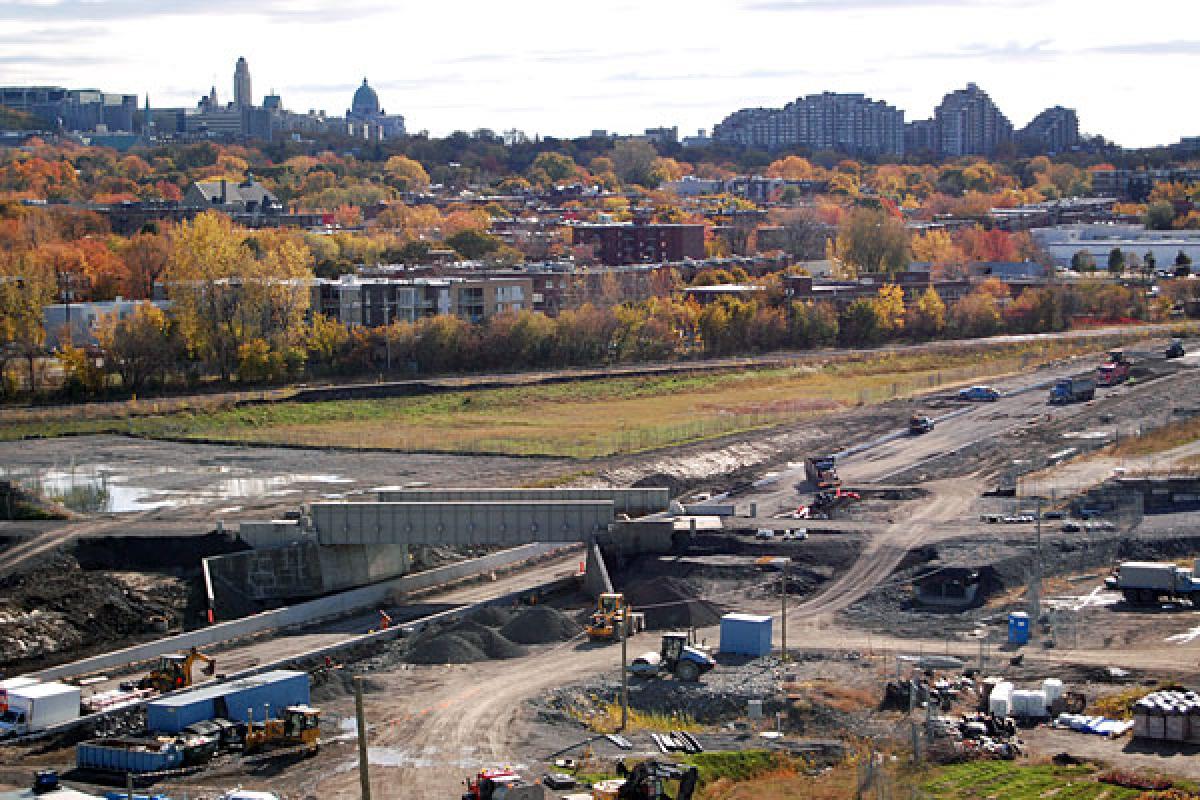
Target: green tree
(1083,261)
(859,324)
(1183,265)
(551,168)
(1159,216)
(634,162)
(1116,262)
(472,244)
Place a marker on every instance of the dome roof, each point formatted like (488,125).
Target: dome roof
(365,100)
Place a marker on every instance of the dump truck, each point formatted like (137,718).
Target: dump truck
(1078,389)
(176,671)
(1150,582)
(1114,371)
(37,707)
(677,657)
(821,472)
(612,610)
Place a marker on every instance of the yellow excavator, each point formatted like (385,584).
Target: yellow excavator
(611,612)
(300,727)
(174,671)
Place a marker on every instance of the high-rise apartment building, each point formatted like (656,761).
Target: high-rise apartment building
(850,123)
(969,123)
(1055,130)
(243,93)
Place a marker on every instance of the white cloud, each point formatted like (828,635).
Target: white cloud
(563,69)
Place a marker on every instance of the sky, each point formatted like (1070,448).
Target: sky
(564,68)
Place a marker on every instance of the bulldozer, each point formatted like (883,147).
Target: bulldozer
(174,671)
(611,612)
(300,727)
(648,781)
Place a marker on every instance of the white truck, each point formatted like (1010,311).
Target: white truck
(36,707)
(1148,582)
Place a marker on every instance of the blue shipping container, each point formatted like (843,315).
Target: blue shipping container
(746,634)
(264,695)
(1018,628)
(127,756)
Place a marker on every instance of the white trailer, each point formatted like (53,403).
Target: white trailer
(39,706)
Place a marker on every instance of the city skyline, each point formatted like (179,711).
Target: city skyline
(718,57)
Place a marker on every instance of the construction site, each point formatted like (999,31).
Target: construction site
(1000,573)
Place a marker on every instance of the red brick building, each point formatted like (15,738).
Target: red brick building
(640,243)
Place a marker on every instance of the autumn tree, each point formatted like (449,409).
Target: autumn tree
(927,316)
(146,256)
(550,169)
(140,347)
(228,292)
(406,174)
(858,324)
(1159,216)
(873,242)
(936,247)
(26,286)
(634,161)
(889,309)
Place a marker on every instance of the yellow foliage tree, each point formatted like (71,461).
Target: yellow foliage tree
(889,308)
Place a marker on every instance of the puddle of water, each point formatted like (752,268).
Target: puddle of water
(99,488)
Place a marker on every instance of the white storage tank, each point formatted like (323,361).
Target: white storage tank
(1175,724)
(1000,701)
(1029,703)
(1053,688)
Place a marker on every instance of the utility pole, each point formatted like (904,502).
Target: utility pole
(1035,589)
(783,612)
(624,670)
(364,777)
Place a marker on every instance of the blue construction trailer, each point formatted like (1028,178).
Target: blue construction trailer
(255,699)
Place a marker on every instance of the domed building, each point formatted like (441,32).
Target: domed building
(365,118)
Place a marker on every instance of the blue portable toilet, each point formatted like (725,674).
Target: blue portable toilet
(746,634)
(1018,628)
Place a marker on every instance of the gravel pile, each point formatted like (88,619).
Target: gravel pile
(671,603)
(444,648)
(492,616)
(540,625)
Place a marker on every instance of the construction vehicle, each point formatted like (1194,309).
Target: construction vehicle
(648,781)
(1175,349)
(677,657)
(918,424)
(613,611)
(300,727)
(174,671)
(1114,371)
(1081,388)
(1149,582)
(500,784)
(821,472)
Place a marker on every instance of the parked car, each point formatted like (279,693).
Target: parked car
(764,533)
(797,535)
(1071,527)
(979,394)
(920,424)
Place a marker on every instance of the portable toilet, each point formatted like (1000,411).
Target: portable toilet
(1018,628)
(746,634)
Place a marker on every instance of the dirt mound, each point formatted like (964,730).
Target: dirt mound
(540,625)
(492,616)
(57,608)
(446,648)
(671,603)
(492,643)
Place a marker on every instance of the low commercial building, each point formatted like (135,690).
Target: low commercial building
(1134,241)
(373,302)
(79,323)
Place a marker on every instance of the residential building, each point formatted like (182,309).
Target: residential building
(920,136)
(79,323)
(969,123)
(373,302)
(247,197)
(1136,184)
(848,123)
(1055,130)
(639,242)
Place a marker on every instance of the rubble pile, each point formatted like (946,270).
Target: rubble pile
(671,603)
(476,638)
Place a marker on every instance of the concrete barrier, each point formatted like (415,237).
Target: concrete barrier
(300,614)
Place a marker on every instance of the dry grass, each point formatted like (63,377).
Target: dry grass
(828,694)
(607,719)
(1160,440)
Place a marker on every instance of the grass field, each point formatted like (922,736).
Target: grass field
(580,419)
(980,780)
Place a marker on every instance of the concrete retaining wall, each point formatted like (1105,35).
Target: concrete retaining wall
(635,502)
(301,614)
(503,522)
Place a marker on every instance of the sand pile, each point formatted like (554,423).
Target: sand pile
(671,603)
(540,625)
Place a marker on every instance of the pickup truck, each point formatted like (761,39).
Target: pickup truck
(920,424)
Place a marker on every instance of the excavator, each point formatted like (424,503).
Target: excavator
(174,671)
(300,727)
(611,610)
